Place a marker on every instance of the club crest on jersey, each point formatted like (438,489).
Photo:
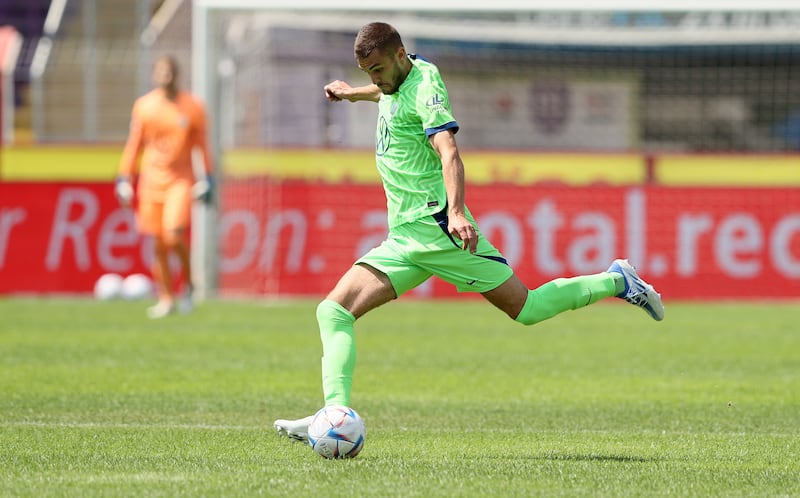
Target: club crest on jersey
(383,137)
(183,121)
(435,103)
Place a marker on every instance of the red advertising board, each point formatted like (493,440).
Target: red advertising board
(60,237)
(296,238)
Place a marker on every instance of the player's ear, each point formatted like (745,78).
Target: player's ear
(401,53)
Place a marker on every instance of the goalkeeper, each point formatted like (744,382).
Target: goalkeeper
(431,231)
(167,124)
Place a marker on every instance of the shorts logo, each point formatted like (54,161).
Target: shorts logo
(382,137)
(471,282)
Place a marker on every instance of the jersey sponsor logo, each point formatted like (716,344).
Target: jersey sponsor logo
(436,104)
(434,101)
(383,137)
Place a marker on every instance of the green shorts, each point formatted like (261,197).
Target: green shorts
(415,251)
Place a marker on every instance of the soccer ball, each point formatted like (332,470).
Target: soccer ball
(337,432)
(136,286)
(108,287)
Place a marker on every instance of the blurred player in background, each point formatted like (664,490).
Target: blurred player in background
(167,126)
(431,231)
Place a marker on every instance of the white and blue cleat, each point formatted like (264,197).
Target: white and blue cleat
(294,429)
(637,291)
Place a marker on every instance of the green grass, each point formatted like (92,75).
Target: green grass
(95,400)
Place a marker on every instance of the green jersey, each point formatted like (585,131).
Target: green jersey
(410,168)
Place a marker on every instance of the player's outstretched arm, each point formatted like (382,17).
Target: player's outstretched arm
(338,90)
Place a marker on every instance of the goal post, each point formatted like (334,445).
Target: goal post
(583,90)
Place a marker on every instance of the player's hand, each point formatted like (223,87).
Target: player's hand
(203,190)
(123,190)
(460,227)
(336,91)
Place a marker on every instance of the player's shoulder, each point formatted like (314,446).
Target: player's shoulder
(147,100)
(190,98)
(426,71)
(424,65)
(191,101)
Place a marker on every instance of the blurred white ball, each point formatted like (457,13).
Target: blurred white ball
(108,286)
(136,286)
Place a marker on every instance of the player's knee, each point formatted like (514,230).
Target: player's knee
(322,311)
(331,311)
(173,239)
(527,314)
(525,319)
(160,244)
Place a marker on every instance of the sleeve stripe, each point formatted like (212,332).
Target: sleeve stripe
(452,125)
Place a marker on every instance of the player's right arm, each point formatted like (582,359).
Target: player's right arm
(338,90)
(123,188)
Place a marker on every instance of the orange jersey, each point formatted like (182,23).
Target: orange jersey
(165,132)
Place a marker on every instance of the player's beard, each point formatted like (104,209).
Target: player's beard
(395,84)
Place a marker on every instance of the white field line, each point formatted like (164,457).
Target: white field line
(105,425)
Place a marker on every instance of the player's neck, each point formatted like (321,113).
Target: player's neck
(170,92)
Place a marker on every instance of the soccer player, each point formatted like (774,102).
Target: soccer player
(167,125)
(431,231)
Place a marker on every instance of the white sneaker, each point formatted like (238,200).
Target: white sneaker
(294,429)
(160,310)
(637,291)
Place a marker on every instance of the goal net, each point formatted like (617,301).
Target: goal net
(547,101)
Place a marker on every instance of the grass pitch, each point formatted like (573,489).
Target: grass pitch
(96,400)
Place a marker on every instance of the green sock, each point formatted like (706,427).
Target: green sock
(563,294)
(338,352)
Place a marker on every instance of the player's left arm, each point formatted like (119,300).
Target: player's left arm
(444,142)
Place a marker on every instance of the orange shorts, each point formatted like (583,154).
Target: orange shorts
(172,213)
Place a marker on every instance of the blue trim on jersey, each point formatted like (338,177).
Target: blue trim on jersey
(452,125)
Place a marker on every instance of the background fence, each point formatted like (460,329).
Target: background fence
(576,111)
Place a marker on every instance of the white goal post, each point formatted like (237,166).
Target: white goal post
(499,21)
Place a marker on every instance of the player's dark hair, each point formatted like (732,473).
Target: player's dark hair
(376,35)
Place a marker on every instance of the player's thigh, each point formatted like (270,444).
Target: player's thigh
(361,289)
(443,256)
(393,259)
(177,209)
(149,217)
(469,272)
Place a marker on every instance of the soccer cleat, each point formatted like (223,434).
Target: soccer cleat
(637,291)
(294,429)
(160,309)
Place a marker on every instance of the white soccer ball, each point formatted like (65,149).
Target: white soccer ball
(337,432)
(108,287)
(136,286)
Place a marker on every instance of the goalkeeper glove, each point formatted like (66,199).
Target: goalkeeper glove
(123,189)
(203,189)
